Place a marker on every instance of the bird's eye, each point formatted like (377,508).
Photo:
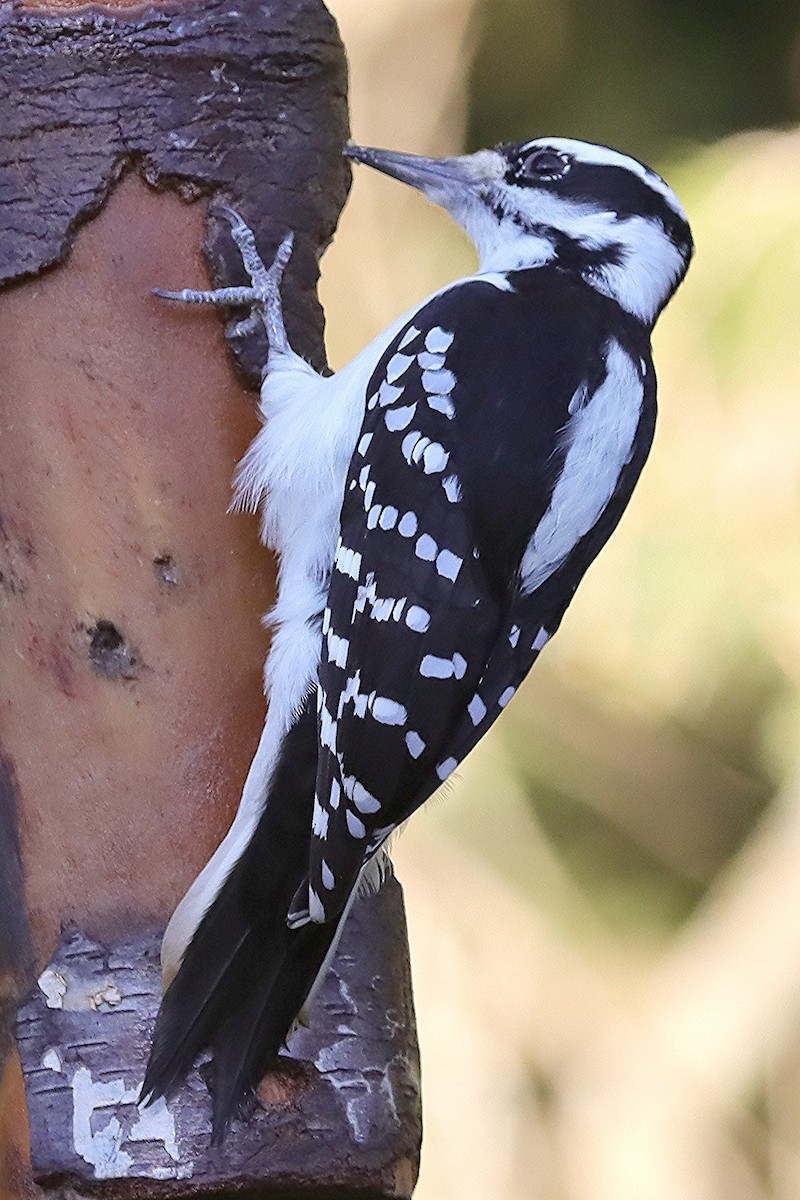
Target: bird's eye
(544,164)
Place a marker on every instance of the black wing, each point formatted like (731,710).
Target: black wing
(427,632)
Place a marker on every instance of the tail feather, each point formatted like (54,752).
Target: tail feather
(248,1040)
(245,974)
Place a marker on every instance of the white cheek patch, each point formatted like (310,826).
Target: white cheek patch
(599,437)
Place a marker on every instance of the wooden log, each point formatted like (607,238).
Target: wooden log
(339,1118)
(130,639)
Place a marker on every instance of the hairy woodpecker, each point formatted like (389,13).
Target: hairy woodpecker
(434,506)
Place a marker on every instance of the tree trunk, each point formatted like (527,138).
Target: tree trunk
(130,641)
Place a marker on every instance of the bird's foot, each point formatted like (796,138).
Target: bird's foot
(263,296)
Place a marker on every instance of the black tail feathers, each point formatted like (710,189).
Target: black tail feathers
(246,974)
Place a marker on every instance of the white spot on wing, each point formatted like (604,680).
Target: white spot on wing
(439,383)
(389,712)
(408,444)
(418,618)
(397,365)
(541,639)
(505,696)
(434,458)
(363,445)
(438,340)
(327,876)
(446,768)
(348,562)
(419,448)
(364,801)
(388,393)
(430,362)
(319,824)
(442,404)
(434,667)
(399,418)
(52,1060)
(356,827)
(476,709)
(409,335)
(415,744)
(452,488)
(388,518)
(426,548)
(54,988)
(448,564)
(316,909)
(408,525)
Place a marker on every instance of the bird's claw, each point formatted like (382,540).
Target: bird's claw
(263,295)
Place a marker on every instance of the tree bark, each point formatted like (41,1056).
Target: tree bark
(130,641)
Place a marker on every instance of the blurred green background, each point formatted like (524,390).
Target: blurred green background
(605,907)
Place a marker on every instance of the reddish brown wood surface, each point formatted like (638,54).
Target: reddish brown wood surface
(131,646)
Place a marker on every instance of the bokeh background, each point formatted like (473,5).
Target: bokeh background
(605,908)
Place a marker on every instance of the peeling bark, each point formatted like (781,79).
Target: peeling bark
(339,1119)
(206,98)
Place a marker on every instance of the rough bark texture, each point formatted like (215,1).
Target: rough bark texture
(246,100)
(340,1120)
(130,640)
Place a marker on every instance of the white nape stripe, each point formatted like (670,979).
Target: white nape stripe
(650,261)
(644,279)
(599,439)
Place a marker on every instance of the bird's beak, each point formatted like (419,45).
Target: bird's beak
(439,178)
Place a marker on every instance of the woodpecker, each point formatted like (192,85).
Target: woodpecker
(434,506)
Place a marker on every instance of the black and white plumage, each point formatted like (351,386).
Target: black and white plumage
(434,506)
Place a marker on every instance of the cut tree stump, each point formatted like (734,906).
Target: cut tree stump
(130,638)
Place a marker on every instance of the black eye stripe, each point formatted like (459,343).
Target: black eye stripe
(608,186)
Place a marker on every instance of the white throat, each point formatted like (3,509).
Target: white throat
(641,282)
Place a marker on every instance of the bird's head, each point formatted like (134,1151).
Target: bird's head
(580,207)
